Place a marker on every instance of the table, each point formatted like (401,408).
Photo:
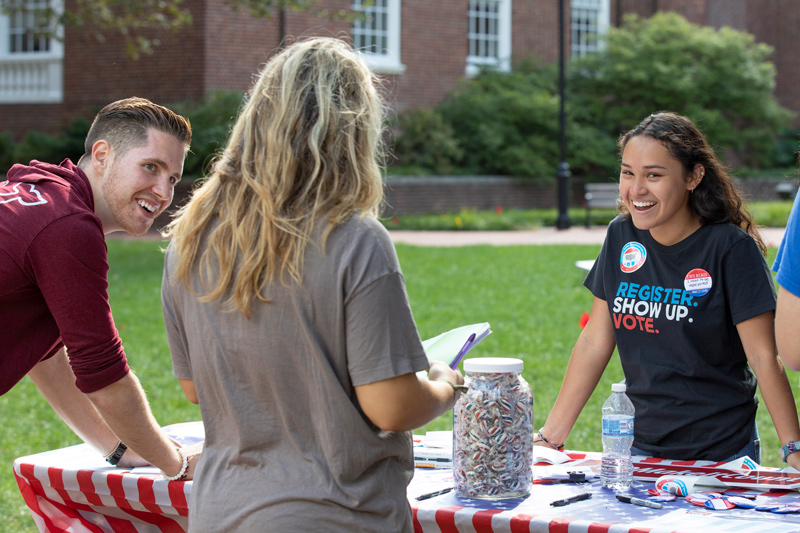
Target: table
(602,513)
(73,490)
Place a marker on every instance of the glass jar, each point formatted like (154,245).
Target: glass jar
(493,431)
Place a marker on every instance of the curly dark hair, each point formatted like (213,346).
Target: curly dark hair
(717,198)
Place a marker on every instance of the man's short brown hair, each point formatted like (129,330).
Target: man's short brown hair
(124,125)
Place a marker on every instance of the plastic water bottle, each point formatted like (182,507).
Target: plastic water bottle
(616,468)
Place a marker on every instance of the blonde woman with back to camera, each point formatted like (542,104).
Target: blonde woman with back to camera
(287,315)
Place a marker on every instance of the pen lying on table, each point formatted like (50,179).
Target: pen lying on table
(567,501)
(638,501)
(433,494)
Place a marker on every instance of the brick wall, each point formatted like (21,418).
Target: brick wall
(223,49)
(777,23)
(99,72)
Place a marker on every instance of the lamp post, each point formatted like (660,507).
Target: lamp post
(563,172)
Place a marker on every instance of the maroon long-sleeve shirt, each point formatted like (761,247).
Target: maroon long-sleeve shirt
(53,277)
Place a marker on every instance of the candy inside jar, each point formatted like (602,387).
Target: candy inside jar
(493,431)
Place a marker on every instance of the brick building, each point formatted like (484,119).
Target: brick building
(421,48)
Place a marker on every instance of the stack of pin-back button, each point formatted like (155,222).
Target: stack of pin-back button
(718,501)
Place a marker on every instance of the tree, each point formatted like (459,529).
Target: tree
(507,123)
(135,19)
(721,79)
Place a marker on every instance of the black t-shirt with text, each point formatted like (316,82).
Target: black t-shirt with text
(674,310)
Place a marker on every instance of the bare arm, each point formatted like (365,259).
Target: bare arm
(589,359)
(407,402)
(124,407)
(55,380)
(758,340)
(188,389)
(787,328)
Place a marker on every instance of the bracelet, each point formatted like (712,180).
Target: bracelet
(116,454)
(554,446)
(789,448)
(184,467)
(456,388)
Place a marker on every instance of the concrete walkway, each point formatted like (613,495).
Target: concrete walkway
(574,235)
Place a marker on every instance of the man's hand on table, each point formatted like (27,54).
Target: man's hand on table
(193,452)
(130,459)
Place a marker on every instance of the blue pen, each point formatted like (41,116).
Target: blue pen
(463,351)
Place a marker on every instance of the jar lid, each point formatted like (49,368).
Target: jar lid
(493,364)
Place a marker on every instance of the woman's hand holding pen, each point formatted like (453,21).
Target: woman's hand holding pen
(440,371)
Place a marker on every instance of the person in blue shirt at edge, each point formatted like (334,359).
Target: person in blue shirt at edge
(287,315)
(682,289)
(787,269)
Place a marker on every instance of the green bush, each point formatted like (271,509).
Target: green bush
(787,149)
(770,214)
(53,148)
(508,124)
(425,141)
(211,121)
(721,79)
(6,152)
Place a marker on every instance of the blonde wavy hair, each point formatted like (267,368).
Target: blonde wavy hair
(305,149)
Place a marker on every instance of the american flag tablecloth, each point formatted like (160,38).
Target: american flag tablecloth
(73,490)
(602,513)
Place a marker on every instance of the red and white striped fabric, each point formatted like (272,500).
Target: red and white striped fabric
(457,519)
(72,490)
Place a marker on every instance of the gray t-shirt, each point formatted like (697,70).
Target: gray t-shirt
(287,445)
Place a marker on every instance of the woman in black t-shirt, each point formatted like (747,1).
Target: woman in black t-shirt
(682,289)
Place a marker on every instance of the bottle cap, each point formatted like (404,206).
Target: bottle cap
(618,387)
(492,364)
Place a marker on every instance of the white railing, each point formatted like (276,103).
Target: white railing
(31,80)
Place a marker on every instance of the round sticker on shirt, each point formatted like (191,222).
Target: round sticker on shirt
(697,282)
(633,257)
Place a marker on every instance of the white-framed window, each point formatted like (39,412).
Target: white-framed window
(590,20)
(489,35)
(376,35)
(31,57)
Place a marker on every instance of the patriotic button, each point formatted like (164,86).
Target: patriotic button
(749,494)
(718,504)
(768,508)
(743,502)
(786,509)
(695,499)
(662,498)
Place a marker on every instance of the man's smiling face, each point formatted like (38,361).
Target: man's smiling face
(138,185)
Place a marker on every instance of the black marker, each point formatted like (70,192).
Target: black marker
(567,501)
(639,501)
(432,494)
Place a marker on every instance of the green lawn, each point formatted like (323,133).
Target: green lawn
(531,295)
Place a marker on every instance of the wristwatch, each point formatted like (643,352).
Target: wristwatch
(116,454)
(789,448)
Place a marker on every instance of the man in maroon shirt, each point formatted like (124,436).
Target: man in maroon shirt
(58,327)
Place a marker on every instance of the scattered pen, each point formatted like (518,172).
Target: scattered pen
(567,501)
(639,501)
(463,351)
(433,494)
